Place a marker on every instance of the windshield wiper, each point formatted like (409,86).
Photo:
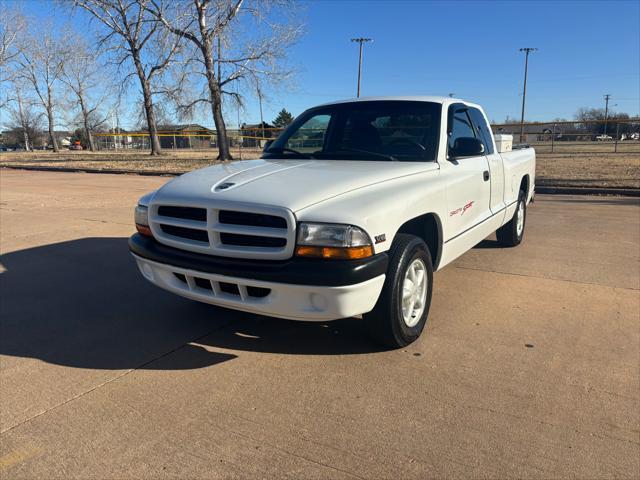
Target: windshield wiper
(290,150)
(367,152)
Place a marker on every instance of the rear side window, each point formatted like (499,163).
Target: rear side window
(480,124)
(460,126)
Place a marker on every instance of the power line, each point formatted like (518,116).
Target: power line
(361,41)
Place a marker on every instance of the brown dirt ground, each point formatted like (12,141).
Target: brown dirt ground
(587,166)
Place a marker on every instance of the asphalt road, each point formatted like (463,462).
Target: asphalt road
(529,366)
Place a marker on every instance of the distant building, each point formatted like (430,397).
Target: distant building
(250,132)
(532,132)
(186,136)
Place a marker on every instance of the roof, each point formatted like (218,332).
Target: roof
(405,98)
(253,126)
(182,127)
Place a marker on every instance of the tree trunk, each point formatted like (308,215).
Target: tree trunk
(221,128)
(27,143)
(25,133)
(215,95)
(52,136)
(87,130)
(154,141)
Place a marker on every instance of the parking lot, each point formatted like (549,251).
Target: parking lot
(529,365)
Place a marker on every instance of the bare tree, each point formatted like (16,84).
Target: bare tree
(24,120)
(135,38)
(12,27)
(40,66)
(215,26)
(84,76)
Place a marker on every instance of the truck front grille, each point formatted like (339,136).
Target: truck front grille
(251,240)
(251,231)
(189,233)
(189,213)
(255,219)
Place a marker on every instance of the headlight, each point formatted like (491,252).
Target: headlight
(329,240)
(141,217)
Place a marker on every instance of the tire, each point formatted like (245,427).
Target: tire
(511,233)
(387,319)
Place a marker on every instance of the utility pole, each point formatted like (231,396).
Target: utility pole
(361,41)
(606,111)
(260,102)
(526,51)
(240,132)
(113,129)
(118,127)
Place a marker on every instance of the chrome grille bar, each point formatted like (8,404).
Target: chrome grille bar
(242,231)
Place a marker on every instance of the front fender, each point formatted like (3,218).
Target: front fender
(381,209)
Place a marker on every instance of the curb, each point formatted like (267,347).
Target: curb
(541,189)
(116,171)
(624,192)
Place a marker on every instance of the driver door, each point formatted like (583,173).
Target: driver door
(468,186)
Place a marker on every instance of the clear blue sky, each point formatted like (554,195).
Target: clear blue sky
(470,48)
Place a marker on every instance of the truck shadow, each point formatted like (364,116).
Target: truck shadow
(490,242)
(83,304)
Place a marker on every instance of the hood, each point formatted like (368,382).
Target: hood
(294,184)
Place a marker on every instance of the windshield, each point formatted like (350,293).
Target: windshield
(370,130)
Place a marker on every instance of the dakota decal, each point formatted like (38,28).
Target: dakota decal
(461,210)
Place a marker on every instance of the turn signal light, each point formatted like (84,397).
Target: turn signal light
(144,230)
(337,253)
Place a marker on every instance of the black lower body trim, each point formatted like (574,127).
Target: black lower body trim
(299,271)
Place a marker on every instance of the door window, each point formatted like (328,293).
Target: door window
(461,126)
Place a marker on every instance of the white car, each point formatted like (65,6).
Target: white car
(604,138)
(348,212)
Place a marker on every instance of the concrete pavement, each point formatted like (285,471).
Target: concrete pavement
(529,366)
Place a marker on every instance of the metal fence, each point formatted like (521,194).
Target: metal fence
(250,140)
(596,136)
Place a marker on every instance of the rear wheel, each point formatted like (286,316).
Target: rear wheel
(511,233)
(402,309)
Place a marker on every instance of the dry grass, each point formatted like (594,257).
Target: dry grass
(597,167)
(170,161)
(621,170)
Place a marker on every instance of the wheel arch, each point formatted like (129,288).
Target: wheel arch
(429,228)
(525,185)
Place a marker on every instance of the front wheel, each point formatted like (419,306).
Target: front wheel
(402,309)
(511,233)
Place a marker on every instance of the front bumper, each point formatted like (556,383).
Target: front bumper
(297,289)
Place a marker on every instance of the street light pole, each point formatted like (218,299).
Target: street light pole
(606,111)
(526,51)
(361,41)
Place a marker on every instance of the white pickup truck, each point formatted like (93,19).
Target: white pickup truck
(349,211)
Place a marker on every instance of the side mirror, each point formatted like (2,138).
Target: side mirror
(267,144)
(466,147)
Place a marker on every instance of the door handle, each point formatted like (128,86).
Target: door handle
(486,175)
